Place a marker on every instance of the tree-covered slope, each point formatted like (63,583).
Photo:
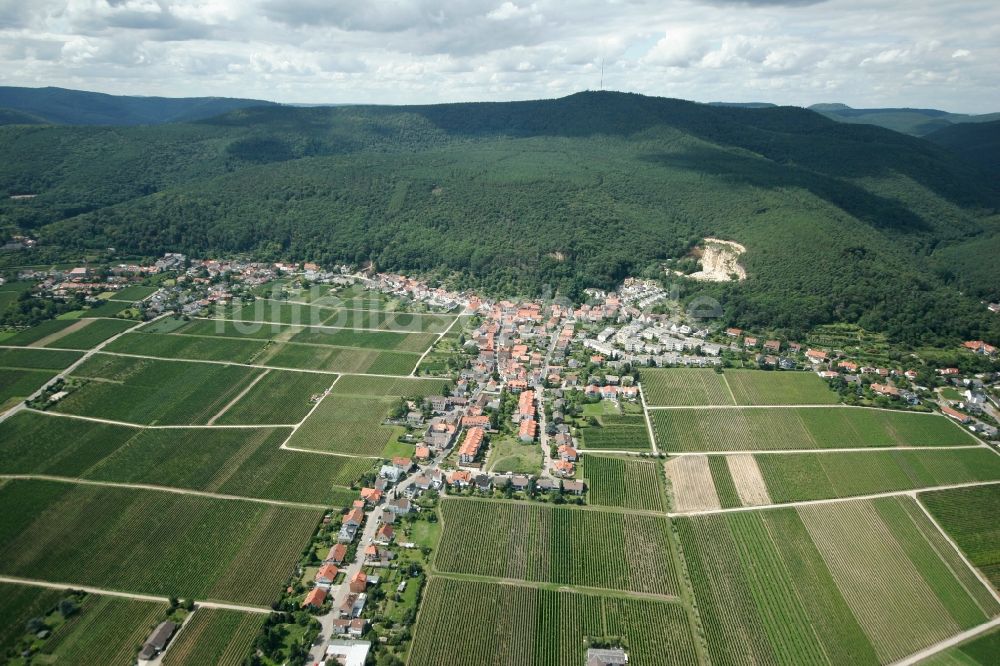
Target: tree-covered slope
(840,221)
(78,107)
(917,122)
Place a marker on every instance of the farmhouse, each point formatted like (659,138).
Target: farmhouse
(157,641)
(955,414)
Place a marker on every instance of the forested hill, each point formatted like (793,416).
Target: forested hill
(77,107)
(842,222)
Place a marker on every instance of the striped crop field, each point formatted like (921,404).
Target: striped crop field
(598,549)
(758,387)
(90,334)
(242,462)
(792,477)
(153,542)
(279,397)
(347,424)
(969,516)
(780,428)
(408,387)
(215,636)
(685,386)
(617,432)
(859,582)
(470,622)
(153,391)
(628,482)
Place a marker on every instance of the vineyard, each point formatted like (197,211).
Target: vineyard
(132,293)
(244,462)
(617,432)
(389,386)
(215,636)
(756,387)
(151,392)
(979,651)
(559,545)
(37,359)
(691,484)
(280,397)
(739,429)
(188,347)
(342,337)
(16,385)
(685,387)
(347,424)
(106,630)
(792,477)
(95,332)
(969,516)
(722,479)
(18,604)
(152,542)
(902,593)
(465,622)
(318,315)
(338,359)
(38,332)
(632,483)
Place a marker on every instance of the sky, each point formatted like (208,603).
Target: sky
(865,53)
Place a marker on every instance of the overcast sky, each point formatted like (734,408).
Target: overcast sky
(927,53)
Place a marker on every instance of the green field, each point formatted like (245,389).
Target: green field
(739,429)
(792,477)
(969,516)
(347,424)
(37,359)
(510,455)
(215,636)
(94,332)
(36,333)
(243,462)
(189,347)
(135,292)
(631,483)
(722,479)
(153,542)
(853,582)
(685,386)
(597,549)
(107,309)
(16,385)
(338,359)
(281,396)
(617,432)
(757,387)
(103,630)
(312,315)
(389,386)
(146,391)
(979,651)
(689,387)
(468,622)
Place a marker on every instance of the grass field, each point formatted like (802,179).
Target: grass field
(685,386)
(507,625)
(617,432)
(511,455)
(599,549)
(800,428)
(280,396)
(969,516)
(794,477)
(215,636)
(243,462)
(347,424)
(853,582)
(153,542)
(146,391)
(631,483)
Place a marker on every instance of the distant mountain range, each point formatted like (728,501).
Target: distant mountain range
(59,106)
(918,122)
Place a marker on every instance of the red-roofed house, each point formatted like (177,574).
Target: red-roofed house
(816,355)
(384,535)
(359,582)
(337,553)
(326,575)
(527,431)
(955,414)
(315,598)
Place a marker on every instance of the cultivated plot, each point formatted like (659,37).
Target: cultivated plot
(853,582)
(969,516)
(89,333)
(617,432)
(352,425)
(979,651)
(215,636)
(685,386)
(691,486)
(150,391)
(510,625)
(781,428)
(758,387)
(39,332)
(150,541)
(103,630)
(630,483)
(612,550)
(242,462)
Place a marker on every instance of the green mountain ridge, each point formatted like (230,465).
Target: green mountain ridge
(61,106)
(916,122)
(842,222)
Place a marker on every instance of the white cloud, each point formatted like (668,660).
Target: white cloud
(861,52)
